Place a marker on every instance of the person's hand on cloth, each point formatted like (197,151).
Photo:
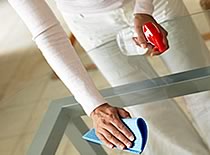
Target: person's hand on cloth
(139,21)
(109,127)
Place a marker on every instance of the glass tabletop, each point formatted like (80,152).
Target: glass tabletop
(170,91)
(178,128)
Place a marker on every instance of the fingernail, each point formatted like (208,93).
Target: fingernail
(121,147)
(110,146)
(129,144)
(131,138)
(143,45)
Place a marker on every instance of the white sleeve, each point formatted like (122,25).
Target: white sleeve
(59,53)
(144,6)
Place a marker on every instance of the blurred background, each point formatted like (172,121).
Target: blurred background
(27,83)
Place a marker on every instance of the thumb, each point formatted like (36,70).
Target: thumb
(142,41)
(123,113)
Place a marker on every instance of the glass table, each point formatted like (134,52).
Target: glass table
(178,82)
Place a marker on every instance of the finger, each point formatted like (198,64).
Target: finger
(113,139)
(123,113)
(150,50)
(149,53)
(117,134)
(122,128)
(155,54)
(135,39)
(105,141)
(141,37)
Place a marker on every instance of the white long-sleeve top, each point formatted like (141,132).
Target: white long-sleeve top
(56,48)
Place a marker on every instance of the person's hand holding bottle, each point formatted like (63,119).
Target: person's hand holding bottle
(139,21)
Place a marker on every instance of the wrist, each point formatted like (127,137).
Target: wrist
(143,14)
(102,106)
(141,18)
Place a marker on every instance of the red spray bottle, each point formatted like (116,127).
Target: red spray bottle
(154,36)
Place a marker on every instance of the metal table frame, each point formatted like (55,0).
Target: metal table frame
(64,115)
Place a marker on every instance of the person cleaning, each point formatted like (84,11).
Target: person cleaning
(95,24)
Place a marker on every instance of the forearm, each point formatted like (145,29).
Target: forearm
(144,7)
(67,65)
(56,48)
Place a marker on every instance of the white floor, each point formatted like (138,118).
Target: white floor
(27,87)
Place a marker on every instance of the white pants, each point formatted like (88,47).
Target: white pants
(170,130)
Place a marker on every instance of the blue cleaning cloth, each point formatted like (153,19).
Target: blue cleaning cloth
(138,127)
